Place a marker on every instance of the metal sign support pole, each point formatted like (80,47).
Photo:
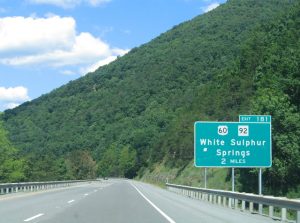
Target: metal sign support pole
(232,179)
(260,207)
(260,182)
(205,177)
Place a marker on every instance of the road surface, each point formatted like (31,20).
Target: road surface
(115,201)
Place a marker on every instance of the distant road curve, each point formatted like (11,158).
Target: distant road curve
(113,201)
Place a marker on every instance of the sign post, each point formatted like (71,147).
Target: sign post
(205,178)
(232,179)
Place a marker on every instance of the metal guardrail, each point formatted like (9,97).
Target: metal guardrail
(7,188)
(241,201)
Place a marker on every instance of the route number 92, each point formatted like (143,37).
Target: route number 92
(243,130)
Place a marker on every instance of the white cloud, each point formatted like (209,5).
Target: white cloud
(69,3)
(67,72)
(103,62)
(85,49)
(97,2)
(14,94)
(210,7)
(19,34)
(11,105)
(51,41)
(94,66)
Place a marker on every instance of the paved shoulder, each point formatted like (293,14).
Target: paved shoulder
(186,210)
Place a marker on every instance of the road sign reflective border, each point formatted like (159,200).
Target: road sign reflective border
(232,144)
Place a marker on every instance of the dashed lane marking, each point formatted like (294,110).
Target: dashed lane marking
(34,217)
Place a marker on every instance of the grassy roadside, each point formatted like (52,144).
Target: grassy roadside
(189,175)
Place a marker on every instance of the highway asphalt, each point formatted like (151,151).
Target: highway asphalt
(115,201)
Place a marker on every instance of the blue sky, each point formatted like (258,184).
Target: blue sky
(46,43)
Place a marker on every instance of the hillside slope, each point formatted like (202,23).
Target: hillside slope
(140,109)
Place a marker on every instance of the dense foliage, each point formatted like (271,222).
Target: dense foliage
(12,167)
(277,85)
(242,57)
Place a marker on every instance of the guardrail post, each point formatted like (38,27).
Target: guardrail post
(215,199)
(219,200)
(298,217)
(251,207)
(243,205)
(230,202)
(224,201)
(260,209)
(271,211)
(210,198)
(1,191)
(7,190)
(283,214)
(236,203)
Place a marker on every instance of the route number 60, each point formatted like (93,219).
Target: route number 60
(222,130)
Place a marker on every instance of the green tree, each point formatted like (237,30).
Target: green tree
(109,163)
(80,165)
(127,162)
(12,167)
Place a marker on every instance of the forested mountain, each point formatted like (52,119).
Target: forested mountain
(241,58)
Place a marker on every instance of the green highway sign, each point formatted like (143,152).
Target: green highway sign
(232,144)
(255,118)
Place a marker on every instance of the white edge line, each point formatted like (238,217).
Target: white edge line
(153,205)
(34,217)
(71,201)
